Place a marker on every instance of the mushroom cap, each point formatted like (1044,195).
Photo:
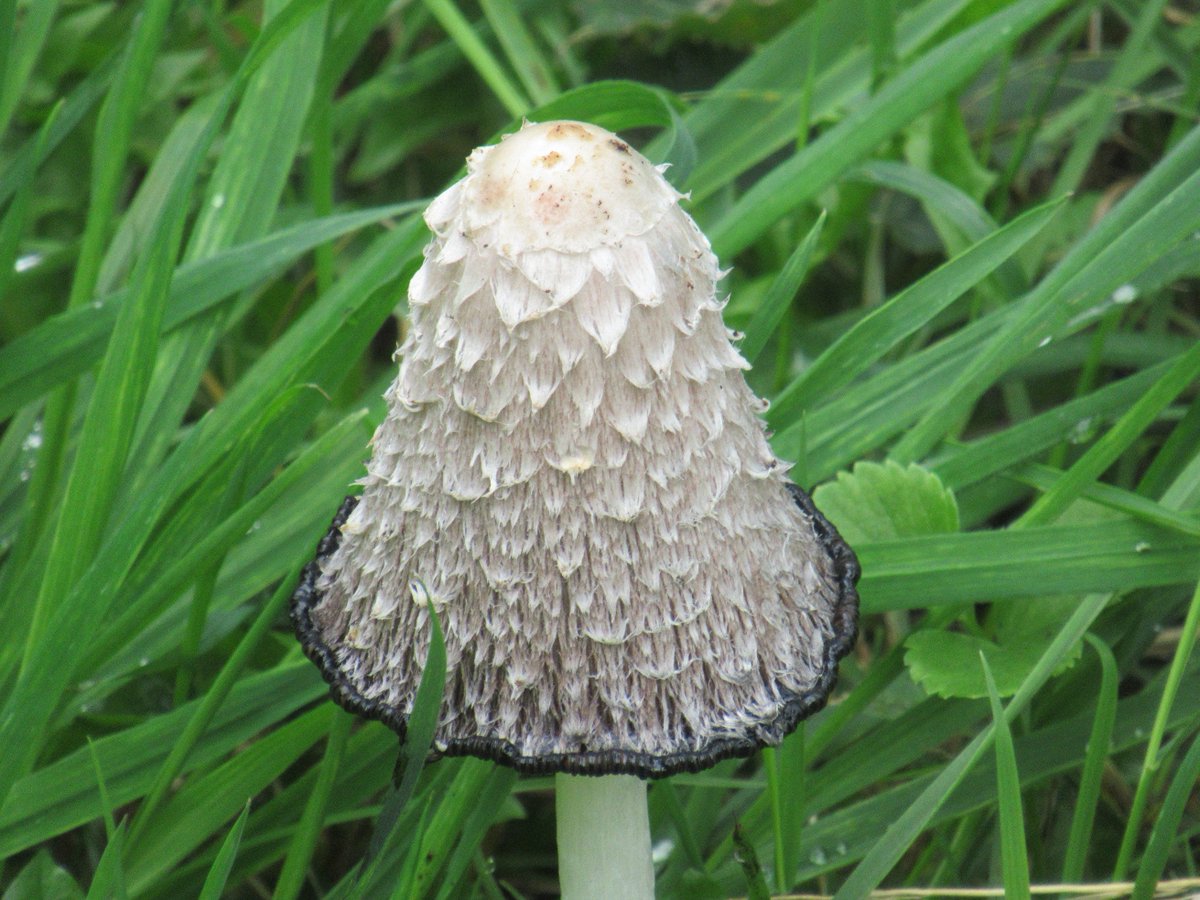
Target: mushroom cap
(565,186)
(572,471)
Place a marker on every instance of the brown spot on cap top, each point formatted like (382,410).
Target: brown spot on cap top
(575,163)
(575,130)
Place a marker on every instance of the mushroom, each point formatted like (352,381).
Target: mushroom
(573,473)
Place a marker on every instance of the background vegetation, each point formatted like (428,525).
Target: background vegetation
(965,237)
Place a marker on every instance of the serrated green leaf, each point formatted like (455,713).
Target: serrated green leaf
(947,663)
(883,501)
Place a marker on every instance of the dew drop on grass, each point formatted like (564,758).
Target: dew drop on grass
(818,857)
(26,262)
(840,849)
(661,851)
(1141,547)
(1082,431)
(218,201)
(1044,341)
(1126,293)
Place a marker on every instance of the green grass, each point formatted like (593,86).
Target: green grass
(965,235)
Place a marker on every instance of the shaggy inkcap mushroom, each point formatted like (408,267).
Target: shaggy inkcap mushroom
(573,473)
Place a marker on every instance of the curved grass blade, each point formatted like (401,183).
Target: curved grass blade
(1013,859)
(1093,767)
(941,198)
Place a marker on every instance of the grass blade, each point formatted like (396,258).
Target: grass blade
(484,809)
(21,55)
(13,224)
(900,835)
(910,92)
(239,203)
(1133,826)
(205,804)
(1014,859)
(414,750)
(208,707)
(522,51)
(68,344)
(479,56)
(108,882)
(291,877)
(864,344)
(1166,825)
(1161,210)
(779,295)
(1104,452)
(114,131)
(969,464)
(1093,768)
(218,874)
(62,795)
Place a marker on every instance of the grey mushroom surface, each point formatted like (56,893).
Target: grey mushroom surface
(574,474)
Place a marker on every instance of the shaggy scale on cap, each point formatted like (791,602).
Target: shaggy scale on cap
(574,474)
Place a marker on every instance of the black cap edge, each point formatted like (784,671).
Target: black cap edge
(609,762)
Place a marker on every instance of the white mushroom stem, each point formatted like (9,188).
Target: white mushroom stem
(603,838)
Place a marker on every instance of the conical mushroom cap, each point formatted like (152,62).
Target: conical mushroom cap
(574,474)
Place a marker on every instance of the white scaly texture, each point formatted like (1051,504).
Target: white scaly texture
(573,472)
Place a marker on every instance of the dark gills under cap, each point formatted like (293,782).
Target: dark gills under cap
(573,473)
